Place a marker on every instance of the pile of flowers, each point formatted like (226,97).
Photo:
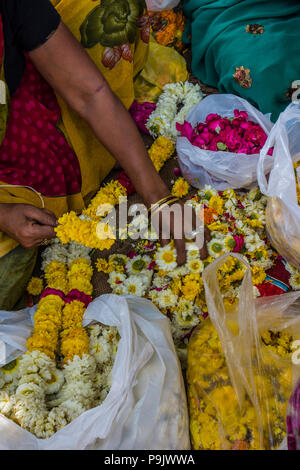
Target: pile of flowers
(167,28)
(172,107)
(217,421)
(237,134)
(66,370)
(237,224)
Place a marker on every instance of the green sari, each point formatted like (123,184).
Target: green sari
(249,48)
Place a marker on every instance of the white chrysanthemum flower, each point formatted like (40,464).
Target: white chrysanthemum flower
(167,299)
(115,279)
(154,295)
(206,193)
(139,226)
(56,381)
(138,264)
(160,282)
(166,258)
(178,272)
(216,247)
(6,403)
(253,242)
(229,243)
(192,251)
(11,371)
(185,321)
(55,252)
(29,389)
(76,251)
(230,206)
(57,420)
(136,285)
(195,265)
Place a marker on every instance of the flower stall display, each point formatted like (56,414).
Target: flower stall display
(173,105)
(240,370)
(220,143)
(283,210)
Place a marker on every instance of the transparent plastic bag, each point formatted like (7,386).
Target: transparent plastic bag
(159,5)
(146,406)
(221,170)
(283,211)
(238,388)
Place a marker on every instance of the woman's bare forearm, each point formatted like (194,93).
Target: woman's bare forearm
(69,70)
(114,127)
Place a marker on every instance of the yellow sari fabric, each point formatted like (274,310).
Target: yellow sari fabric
(119,65)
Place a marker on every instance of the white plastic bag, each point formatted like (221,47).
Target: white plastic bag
(159,5)
(283,211)
(220,169)
(146,406)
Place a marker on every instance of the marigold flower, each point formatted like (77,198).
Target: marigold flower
(35,286)
(180,188)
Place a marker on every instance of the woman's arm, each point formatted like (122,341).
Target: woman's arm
(68,69)
(72,74)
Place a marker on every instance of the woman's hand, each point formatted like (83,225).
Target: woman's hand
(27,224)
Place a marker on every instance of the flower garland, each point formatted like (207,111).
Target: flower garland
(87,229)
(173,106)
(161,151)
(37,394)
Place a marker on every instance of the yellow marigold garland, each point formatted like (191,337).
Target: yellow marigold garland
(74,338)
(47,319)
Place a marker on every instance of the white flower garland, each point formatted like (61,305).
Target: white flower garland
(162,122)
